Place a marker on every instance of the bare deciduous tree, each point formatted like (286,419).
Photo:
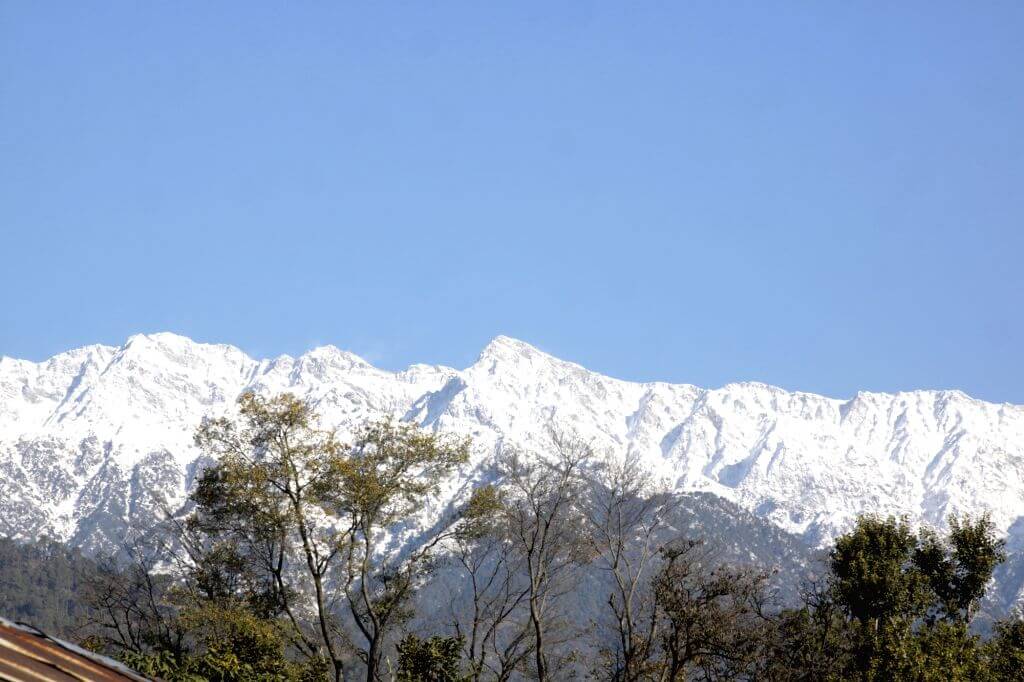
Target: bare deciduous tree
(712,616)
(543,516)
(491,617)
(128,610)
(626,510)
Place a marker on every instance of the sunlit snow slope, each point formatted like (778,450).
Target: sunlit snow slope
(92,441)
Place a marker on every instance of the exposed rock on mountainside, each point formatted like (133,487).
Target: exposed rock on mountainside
(94,441)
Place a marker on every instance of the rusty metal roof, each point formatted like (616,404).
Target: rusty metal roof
(29,655)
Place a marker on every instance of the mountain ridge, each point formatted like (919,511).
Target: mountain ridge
(501,340)
(94,441)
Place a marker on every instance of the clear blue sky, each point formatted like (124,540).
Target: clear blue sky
(825,196)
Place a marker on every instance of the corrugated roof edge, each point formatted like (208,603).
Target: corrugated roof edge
(99,659)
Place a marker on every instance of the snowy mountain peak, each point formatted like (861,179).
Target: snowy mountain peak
(160,338)
(508,349)
(91,438)
(324,359)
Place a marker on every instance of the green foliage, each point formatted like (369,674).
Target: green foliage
(480,515)
(226,643)
(236,644)
(162,665)
(390,468)
(437,659)
(285,493)
(958,568)
(260,513)
(904,605)
(948,651)
(1004,652)
(806,644)
(870,571)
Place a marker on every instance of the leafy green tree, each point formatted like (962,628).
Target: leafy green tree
(896,606)
(437,659)
(871,573)
(1004,652)
(948,651)
(387,474)
(275,471)
(228,644)
(875,583)
(808,644)
(285,494)
(958,568)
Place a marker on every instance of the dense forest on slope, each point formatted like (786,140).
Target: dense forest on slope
(43,584)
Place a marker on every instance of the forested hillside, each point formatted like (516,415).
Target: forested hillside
(43,584)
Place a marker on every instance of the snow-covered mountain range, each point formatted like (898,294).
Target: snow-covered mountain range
(94,440)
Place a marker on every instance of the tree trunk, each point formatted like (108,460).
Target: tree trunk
(371,661)
(538,631)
